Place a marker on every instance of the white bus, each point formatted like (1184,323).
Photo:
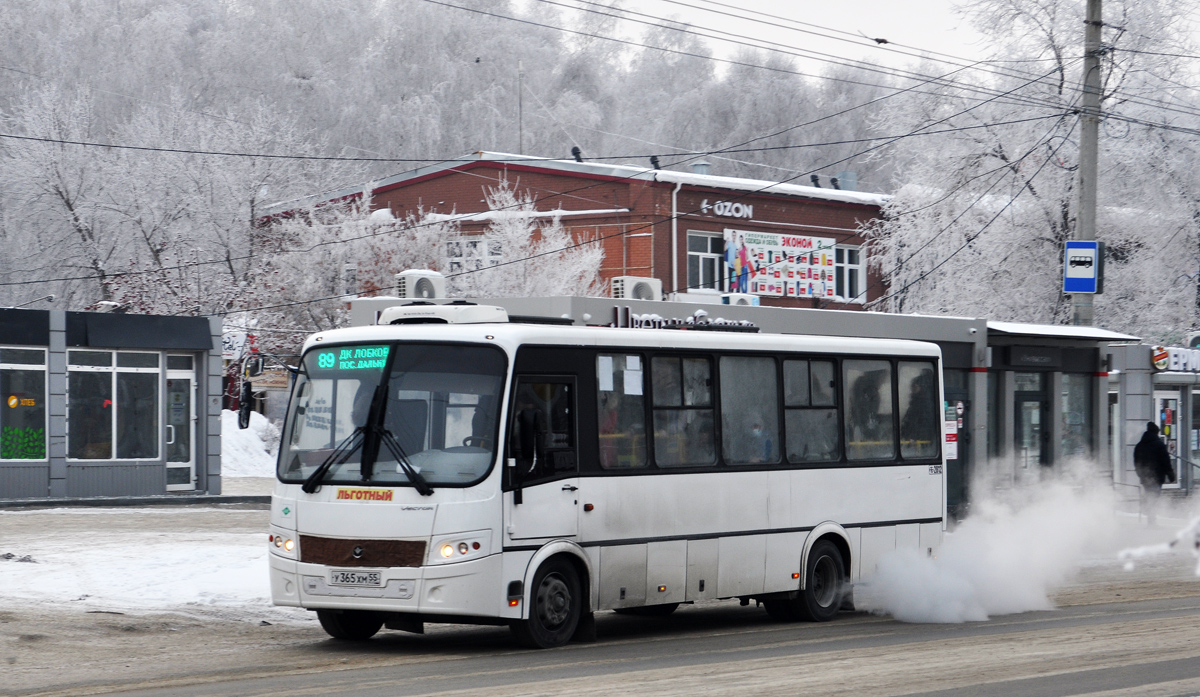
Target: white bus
(458,467)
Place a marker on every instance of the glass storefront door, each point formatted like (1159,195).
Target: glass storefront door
(181,425)
(1169,429)
(1032,432)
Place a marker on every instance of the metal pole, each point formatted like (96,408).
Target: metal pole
(1085,222)
(520,116)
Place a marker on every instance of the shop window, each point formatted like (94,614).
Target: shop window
(920,413)
(683,412)
(850,275)
(23,413)
(810,419)
(1076,414)
(870,432)
(113,405)
(621,411)
(749,411)
(706,262)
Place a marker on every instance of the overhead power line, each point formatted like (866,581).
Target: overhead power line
(517,160)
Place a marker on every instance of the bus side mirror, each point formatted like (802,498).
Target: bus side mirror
(254,366)
(245,402)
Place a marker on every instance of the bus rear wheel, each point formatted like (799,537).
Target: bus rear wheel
(825,583)
(350,625)
(555,605)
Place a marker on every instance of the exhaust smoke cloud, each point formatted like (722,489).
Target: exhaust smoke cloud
(1006,557)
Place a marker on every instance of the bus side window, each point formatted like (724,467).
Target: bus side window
(543,428)
(810,415)
(870,428)
(919,413)
(749,410)
(683,412)
(621,411)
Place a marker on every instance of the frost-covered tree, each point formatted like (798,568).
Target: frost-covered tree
(979,223)
(523,252)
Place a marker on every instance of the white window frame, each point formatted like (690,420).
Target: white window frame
(842,268)
(44,367)
(722,272)
(113,370)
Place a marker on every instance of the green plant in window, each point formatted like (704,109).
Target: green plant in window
(22,443)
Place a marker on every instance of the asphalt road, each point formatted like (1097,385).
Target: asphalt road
(1142,647)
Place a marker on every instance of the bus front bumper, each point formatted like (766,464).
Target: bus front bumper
(467,588)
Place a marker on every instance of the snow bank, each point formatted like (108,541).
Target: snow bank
(249,452)
(201,572)
(1007,557)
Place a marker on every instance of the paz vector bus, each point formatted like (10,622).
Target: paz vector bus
(450,465)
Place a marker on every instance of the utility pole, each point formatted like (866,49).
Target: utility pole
(1085,220)
(520,116)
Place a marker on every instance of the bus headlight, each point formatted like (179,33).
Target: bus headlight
(282,542)
(461,547)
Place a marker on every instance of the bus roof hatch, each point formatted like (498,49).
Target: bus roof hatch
(430,313)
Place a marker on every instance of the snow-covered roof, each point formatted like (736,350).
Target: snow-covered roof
(488,216)
(1057,331)
(711,181)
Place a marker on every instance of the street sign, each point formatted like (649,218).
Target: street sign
(1083,267)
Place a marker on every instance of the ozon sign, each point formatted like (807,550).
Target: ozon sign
(728,209)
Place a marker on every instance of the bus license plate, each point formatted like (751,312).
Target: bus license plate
(355,578)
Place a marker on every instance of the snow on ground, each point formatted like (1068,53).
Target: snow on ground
(249,452)
(198,561)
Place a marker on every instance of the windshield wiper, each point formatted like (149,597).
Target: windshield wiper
(414,476)
(340,454)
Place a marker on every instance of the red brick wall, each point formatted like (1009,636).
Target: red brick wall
(637,243)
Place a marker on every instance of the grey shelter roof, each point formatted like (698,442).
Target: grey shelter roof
(1055,331)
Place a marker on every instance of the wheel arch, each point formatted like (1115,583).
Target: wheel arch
(572,553)
(826,531)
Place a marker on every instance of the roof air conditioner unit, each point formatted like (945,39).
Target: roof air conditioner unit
(739,299)
(420,283)
(636,288)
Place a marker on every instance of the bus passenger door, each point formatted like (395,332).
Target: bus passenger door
(542,472)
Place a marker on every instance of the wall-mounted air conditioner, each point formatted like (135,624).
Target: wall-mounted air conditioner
(420,283)
(636,288)
(739,299)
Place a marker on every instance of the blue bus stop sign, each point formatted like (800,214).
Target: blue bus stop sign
(1083,267)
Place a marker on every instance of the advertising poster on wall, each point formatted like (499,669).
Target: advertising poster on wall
(791,266)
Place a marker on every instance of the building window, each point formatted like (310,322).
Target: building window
(706,262)
(472,252)
(23,413)
(112,396)
(850,277)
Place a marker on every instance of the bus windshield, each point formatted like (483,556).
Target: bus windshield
(442,408)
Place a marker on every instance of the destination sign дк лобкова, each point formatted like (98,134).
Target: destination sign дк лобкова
(353,358)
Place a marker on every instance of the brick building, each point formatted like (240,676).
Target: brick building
(790,245)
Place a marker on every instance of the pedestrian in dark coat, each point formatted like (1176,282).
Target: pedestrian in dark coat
(1152,463)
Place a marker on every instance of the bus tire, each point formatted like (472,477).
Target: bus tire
(350,625)
(649,610)
(825,583)
(555,605)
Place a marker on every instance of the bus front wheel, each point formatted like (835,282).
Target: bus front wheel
(350,625)
(555,605)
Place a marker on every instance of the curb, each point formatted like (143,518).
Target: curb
(134,501)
